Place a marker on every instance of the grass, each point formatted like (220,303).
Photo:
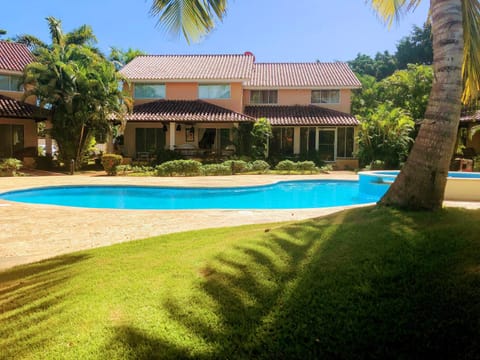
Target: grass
(364,283)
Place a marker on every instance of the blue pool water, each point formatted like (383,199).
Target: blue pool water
(282,195)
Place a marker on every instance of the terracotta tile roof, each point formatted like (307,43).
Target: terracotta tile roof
(13,56)
(469,116)
(321,75)
(184,111)
(11,108)
(189,67)
(298,115)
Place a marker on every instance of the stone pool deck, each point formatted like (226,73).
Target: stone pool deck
(30,232)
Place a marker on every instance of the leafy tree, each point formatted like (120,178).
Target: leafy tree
(382,65)
(456,47)
(385,135)
(365,99)
(416,48)
(80,87)
(363,65)
(261,134)
(121,57)
(408,89)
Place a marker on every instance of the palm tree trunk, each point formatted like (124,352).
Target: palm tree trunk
(421,183)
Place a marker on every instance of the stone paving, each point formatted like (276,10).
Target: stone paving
(30,232)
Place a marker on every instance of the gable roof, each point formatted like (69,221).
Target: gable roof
(189,67)
(14,56)
(184,111)
(11,108)
(301,115)
(301,75)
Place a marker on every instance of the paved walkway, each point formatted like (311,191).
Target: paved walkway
(30,232)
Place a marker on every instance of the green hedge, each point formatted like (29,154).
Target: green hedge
(179,168)
(216,169)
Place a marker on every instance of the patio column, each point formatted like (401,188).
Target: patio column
(172,132)
(296,140)
(48,138)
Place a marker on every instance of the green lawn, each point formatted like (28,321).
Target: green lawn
(364,283)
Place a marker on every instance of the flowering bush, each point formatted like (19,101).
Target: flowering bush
(110,163)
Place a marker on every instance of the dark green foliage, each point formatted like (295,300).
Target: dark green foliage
(110,163)
(261,133)
(259,166)
(167,155)
(286,165)
(415,48)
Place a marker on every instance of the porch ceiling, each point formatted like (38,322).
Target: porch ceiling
(11,108)
(298,115)
(185,111)
(470,116)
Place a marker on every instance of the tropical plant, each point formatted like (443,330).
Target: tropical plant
(78,84)
(110,163)
(456,48)
(385,135)
(9,167)
(261,134)
(121,57)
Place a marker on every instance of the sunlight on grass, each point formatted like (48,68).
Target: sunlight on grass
(369,281)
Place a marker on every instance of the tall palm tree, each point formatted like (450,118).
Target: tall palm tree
(78,84)
(456,48)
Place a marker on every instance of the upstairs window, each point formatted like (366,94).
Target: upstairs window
(149,91)
(214,91)
(10,83)
(263,97)
(325,96)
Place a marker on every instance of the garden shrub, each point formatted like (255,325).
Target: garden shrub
(167,155)
(306,166)
(179,167)
(216,169)
(9,167)
(259,166)
(110,163)
(286,165)
(123,169)
(236,166)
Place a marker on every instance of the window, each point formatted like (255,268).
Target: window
(282,141)
(149,91)
(263,97)
(11,140)
(149,140)
(214,91)
(325,96)
(307,139)
(10,83)
(345,140)
(326,144)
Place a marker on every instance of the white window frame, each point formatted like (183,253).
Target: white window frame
(324,93)
(139,85)
(269,92)
(212,96)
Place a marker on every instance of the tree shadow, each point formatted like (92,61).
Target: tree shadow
(29,295)
(322,289)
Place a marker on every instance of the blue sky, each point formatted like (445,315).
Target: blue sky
(274,30)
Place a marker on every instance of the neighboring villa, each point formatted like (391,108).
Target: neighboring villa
(18,128)
(192,104)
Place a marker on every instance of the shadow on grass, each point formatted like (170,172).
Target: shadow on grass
(367,283)
(29,296)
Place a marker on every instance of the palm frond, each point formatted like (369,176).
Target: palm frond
(471,52)
(192,18)
(55,29)
(32,42)
(390,10)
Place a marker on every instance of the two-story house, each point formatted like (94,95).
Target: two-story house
(18,128)
(193,103)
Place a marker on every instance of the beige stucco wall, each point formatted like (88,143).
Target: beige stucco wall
(304,97)
(462,189)
(29,128)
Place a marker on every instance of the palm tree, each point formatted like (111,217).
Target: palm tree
(456,47)
(78,84)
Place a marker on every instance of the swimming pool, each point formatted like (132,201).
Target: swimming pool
(300,194)
(461,186)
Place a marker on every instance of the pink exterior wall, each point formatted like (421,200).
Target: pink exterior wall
(181,91)
(235,103)
(29,128)
(304,97)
